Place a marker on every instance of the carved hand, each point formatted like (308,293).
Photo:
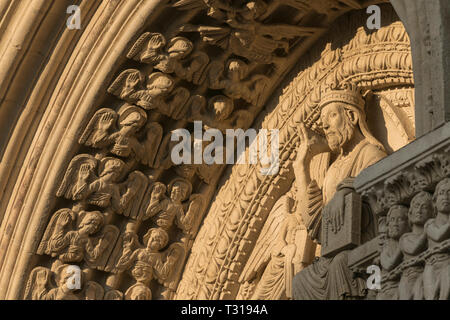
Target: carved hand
(106,121)
(84,172)
(310,145)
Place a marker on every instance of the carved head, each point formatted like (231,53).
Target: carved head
(342,113)
(222,107)
(254,9)
(179,47)
(441,196)
(180,189)
(91,223)
(397,221)
(132,117)
(156,239)
(138,292)
(64,276)
(160,82)
(421,208)
(111,168)
(237,69)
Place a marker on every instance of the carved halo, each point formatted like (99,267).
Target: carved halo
(128,109)
(181,181)
(138,286)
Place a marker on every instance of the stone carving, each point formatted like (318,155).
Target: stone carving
(176,58)
(342,114)
(436,275)
(43,284)
(156,93)
(277,256)
(147,262)
(391,255)
(81,184)
(246,35)
(219,113)
(412,244)
(164,210)
(89,240)
(236,82)
(102,133)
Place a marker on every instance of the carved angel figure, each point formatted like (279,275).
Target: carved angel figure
(118,134)
(156,93)
(176,58)
(81,184)
(278,255)
(247,35)
(436,275)
(43,284)
(236,81)
(218,113)
(147,262)
(166,209)
(90,241)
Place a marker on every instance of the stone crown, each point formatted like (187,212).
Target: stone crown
(348,96)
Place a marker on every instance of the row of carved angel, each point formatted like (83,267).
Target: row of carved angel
(176,57)
(56,284)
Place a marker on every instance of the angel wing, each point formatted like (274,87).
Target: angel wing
(213,74)
(66,219)
(104,243)
(190,5)
(128,242)
(67,187)
(176,253)
(177,104)
(128,82)
(135,187)
(284,31)
(266,241)
(98,129)
(192,217)
(197,66)
(146,48)
(38,284)
(218,36)
(257,85)
(146,150)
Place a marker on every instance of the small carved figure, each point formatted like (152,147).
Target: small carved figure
(149,49)
(93,291)
(40,285)
(113,295)
(90,241)
(148,262)
(247,35)
(219,113)
(81,184)
(412,244)
(138,292)
(278,253)
(391,255)
(436,275)
(235,84)
(101,133)
(166,210)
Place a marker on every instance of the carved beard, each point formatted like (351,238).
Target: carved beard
(338,138)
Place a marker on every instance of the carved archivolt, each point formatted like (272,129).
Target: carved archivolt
(379,61)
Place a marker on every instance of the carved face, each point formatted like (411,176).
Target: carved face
(397,222)
(90,224)
(180,49)
(442,197)
(421,209)
(133,121)
(156,241)
(112,170)
(140,293)
(222,109)
(179,191)
(336,125)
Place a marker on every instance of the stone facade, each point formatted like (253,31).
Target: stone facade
(87,177)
